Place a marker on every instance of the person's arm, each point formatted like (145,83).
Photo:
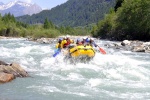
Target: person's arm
(94,44)
(57,45)
(62,44)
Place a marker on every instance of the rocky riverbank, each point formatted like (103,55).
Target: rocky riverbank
(53,40)
(9,72)
(129,45)
(134,46)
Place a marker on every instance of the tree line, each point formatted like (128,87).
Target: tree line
(130,19)
(10,27)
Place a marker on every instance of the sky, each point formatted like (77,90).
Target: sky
(44,4)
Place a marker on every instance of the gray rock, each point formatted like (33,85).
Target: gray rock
(3,63)
(138,49)
(134,46)
(126,42)
(9,72)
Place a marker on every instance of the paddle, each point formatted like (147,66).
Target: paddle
(56,52)
(102,50)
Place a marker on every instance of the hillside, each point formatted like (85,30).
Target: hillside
(72,13)
(129,21)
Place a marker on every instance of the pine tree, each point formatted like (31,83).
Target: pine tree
(46,24)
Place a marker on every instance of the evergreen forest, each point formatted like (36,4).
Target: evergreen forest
(73,13)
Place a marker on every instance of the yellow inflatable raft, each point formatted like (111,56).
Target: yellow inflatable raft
(81,50)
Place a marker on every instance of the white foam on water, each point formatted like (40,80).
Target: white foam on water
(112,74)
(51,89)
(137,74)
(44,89)
(26,50)
(4,52)
(78,93)
(74,76)
(94,82)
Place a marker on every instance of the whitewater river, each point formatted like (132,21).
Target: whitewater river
(119,75)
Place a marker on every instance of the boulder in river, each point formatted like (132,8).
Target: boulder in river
(5,77)
(9,72)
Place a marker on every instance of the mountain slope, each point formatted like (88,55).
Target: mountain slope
(18,8)
(73,13)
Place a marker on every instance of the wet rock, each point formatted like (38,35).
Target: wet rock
(9,72)
(43,40)
(125,42)
(138,49)
(3,63)
(147,51)
(146,43)
(20,72)
(4,77)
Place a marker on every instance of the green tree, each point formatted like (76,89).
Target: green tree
(130,21)
(46,24)
(52,26)
(133,19)
(118,4)
(8,18)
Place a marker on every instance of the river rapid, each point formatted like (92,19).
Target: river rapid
(118,75)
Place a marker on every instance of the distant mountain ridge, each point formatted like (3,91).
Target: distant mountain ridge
(73,13)
(19,8)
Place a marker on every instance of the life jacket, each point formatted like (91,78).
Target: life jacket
(63,43)
(58,45)
(68,43)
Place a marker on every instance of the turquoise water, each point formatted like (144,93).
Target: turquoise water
(119,75)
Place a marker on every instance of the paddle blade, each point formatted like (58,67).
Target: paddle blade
(102,51)
(54,55)
(56,52)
